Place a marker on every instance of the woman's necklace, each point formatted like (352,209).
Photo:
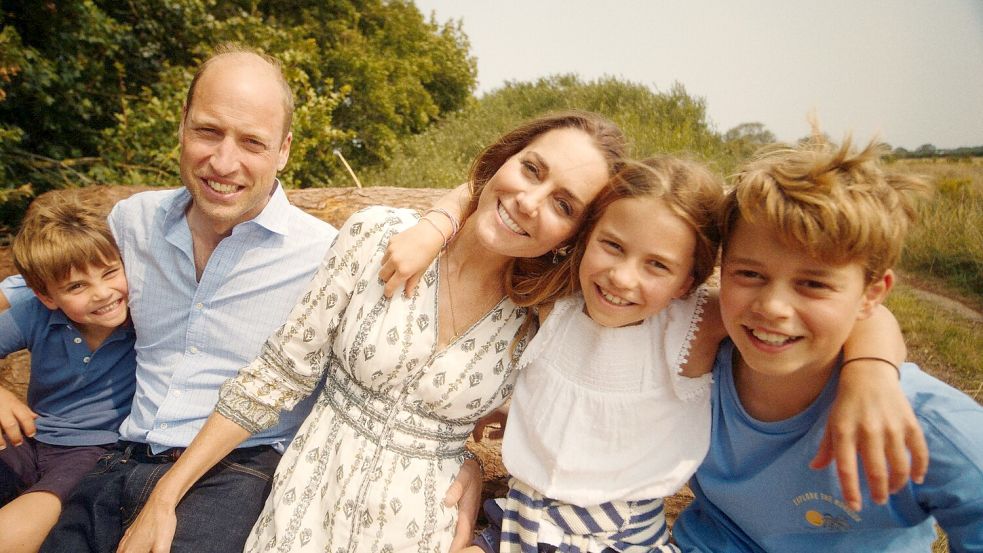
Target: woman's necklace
(450,294)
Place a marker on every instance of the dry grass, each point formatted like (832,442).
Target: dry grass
(947,243)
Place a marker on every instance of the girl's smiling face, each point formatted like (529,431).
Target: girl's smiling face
(638,258)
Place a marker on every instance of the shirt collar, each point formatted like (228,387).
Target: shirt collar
(59,318)
(275,217)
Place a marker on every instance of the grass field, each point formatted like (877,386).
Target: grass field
(947,244)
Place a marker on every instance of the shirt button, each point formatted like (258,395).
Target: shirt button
(193,349)
(77,340)
(199,305)
(177,393)
(163,426)
(86,359)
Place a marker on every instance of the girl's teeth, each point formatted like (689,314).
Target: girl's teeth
(222,188)
(769,337)
(513,226)
(614,299)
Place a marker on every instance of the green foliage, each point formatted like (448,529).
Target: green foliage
(655,123)
(91,90)
(744,139)
(947,242)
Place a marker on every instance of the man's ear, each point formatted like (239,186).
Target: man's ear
(875,293)
(284,154)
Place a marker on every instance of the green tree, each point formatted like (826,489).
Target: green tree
(655,122)
(90,90)
(744,139)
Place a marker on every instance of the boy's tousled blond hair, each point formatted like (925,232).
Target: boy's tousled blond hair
(836,204)
(60,232)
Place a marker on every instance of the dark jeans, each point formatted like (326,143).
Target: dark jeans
(214,517)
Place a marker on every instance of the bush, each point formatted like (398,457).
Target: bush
(654,122)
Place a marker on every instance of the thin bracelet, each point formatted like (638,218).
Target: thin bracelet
(436,228)
(843,364)
(455,225)
(468,454)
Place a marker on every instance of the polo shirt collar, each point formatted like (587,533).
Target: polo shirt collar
(59,318)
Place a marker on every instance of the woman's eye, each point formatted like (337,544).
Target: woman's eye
(564,207)
(658,265)
(531,168)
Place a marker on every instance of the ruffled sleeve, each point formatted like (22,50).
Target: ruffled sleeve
(680,322)
(291,361)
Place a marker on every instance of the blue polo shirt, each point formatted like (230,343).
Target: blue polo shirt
(80,396)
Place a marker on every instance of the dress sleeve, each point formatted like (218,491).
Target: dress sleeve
(291,361)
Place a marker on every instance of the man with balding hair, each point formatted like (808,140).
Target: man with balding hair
(213,269)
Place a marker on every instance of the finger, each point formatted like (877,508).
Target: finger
(873,452)
(824,455)
(845,450)
(899,463)
(394,283)
(25,420)
(411,284)
(454,493)
(11,428)
(496,433)
(915,440)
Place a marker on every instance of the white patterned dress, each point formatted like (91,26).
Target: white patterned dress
(369,467)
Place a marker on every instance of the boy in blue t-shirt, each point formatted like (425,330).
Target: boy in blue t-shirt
(82,364)
(810,234)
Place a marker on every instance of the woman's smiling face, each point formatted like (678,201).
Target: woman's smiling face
(537,199)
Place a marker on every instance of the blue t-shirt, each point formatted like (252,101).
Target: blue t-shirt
(755,491)
(80,396)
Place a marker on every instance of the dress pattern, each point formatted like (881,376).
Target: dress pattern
(369,467)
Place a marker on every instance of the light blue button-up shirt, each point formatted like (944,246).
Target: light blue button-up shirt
(192,336)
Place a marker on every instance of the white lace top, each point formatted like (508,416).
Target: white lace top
(601,414)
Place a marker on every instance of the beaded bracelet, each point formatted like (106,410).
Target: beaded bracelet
(896,368)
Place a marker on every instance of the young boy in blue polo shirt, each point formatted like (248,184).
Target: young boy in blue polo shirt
(82,364)
(809,238)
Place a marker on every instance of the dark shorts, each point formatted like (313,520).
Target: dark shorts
(34,466)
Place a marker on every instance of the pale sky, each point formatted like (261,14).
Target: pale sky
(909,70)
